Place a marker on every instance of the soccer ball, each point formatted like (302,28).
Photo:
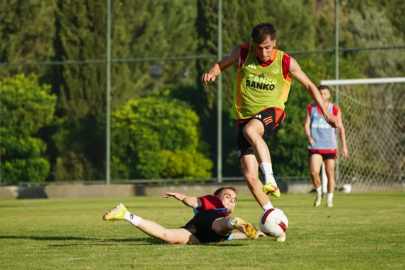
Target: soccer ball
(347,188)
(273,222)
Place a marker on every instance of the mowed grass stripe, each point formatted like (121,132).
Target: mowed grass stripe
(362,231)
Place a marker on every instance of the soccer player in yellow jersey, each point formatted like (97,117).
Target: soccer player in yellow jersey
(260,90)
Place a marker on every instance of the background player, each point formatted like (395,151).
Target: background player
(322,144)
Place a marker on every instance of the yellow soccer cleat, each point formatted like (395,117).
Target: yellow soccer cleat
(272,189)
(317,201)
(118,213)
(245,227)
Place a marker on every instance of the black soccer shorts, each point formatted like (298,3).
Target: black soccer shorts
(201,226)
(271,119)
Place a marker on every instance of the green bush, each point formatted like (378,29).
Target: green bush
(156,137)
(26,107)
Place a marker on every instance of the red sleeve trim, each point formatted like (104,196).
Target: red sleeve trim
(210,202)
(310,109)
(244,51)
(286,66)
(335,110)
(318,109)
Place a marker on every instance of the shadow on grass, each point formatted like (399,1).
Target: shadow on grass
(222,245)
(141,241)
(67,245)
(72,238)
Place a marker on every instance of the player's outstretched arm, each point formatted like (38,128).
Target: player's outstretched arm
(190,201)
(220,66)
(296,71)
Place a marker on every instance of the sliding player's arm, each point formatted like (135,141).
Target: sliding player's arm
(313,91)
(220,66)
(190,201)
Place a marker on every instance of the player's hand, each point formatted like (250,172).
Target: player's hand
(261,234)
(207,77)
(311,141)
(177,196)
(345,152)
(332,120)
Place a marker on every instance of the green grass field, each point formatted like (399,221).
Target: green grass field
(362,231)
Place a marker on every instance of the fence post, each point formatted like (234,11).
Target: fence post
(108,90)
(336,74)
(219,97)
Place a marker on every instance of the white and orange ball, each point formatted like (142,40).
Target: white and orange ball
(273,222)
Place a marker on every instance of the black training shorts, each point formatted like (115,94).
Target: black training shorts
(201,226)
(271,119)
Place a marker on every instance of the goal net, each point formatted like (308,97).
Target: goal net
(373,114)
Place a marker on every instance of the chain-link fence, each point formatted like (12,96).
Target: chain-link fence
(374,119)
(159,122)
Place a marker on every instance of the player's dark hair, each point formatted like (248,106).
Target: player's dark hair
(323,87)
(261,31)
(218,191)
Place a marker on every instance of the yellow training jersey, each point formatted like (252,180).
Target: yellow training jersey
(257,87)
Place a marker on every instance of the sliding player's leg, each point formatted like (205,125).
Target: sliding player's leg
(172,236)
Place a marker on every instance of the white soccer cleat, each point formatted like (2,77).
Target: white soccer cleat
(280,238)
(329,204)
(318,201)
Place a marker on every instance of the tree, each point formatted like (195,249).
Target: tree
(373,28)
(148,29)
(157,137)
(27,29)
(139,29)
(26,107)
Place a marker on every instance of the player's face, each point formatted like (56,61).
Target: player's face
(325,94)
(228,198)
(265,49)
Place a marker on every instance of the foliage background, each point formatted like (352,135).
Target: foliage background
(70,143)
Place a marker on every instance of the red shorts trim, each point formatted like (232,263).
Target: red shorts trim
(323,151)
(326,154)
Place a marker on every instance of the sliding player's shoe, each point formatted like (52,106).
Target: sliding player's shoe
(272,189)
(245,227)
(281,238)
(118,213)
(317,201)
